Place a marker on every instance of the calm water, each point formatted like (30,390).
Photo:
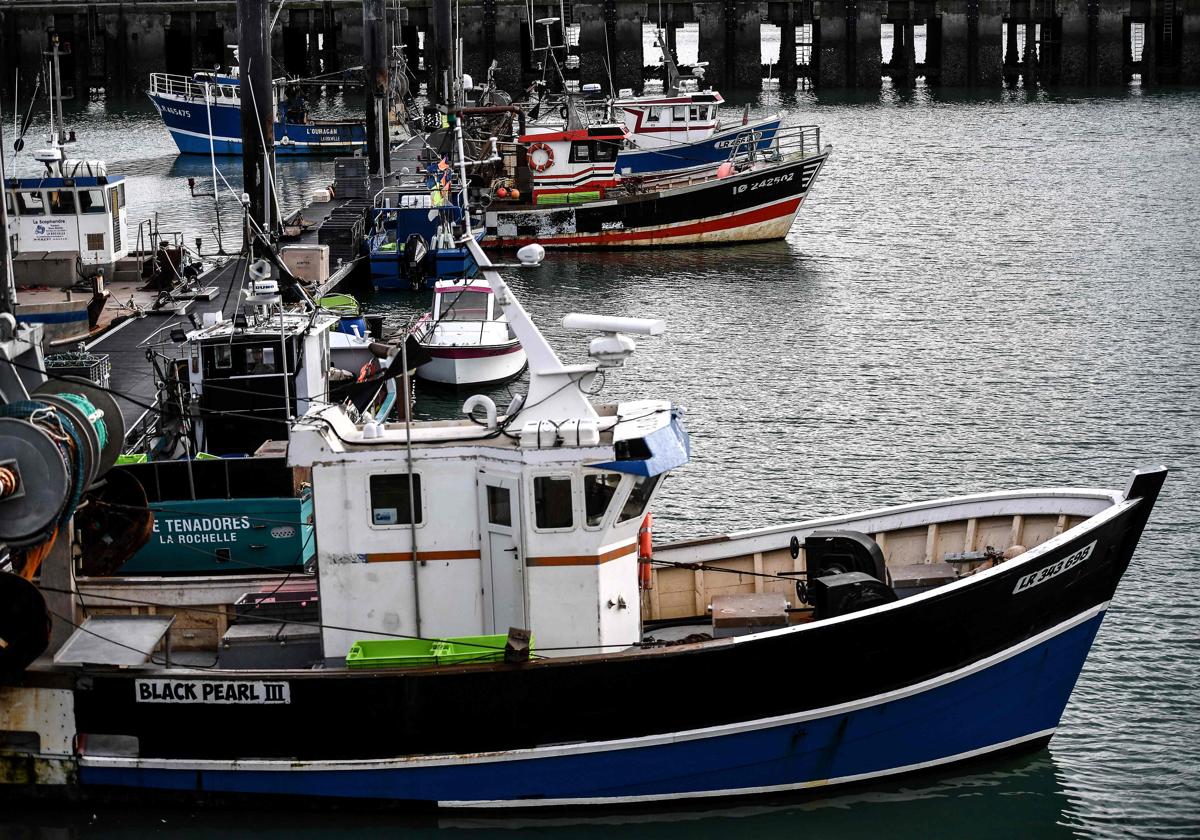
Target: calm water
(983,292)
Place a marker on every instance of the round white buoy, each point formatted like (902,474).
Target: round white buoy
(531,254)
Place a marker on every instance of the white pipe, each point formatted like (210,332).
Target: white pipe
(487,403)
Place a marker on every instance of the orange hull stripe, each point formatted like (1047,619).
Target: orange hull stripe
(582,559)
(404,556)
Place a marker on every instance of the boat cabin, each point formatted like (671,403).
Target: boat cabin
(664,121)
(249,375)
(472,527)
(573,165)
(55,220)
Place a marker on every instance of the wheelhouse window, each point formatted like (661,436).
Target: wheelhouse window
(260,361)
(679,113)
(30,204)
(639,497)
(91,201)
(223,357)
(598,492)
(552,502)
(120,196)
(581,152)
(606,152)
(464,306)
(653,115)
(62,201)
(390,499)
(698,112)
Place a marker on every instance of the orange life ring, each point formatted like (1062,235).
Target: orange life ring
(541,147)
(645,552)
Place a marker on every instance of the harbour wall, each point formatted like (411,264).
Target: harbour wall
(823,43)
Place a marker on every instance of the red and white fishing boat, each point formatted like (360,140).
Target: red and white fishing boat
(467,337)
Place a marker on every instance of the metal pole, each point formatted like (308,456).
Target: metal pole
(8,288)
(375,70)
(412,499)
(257,109)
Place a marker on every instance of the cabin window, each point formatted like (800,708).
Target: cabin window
(389,499)
(30,204)
(95,241)
(639,497)
(697,113)
(680,113)
(224,357)
(464,306)
(552,502)
(260,361)
(228,92)
(91,201)
(8,204)
(581,153)
(120,196)
(598,492)
(653,115)
(62,202)
(499,506)
(605,152)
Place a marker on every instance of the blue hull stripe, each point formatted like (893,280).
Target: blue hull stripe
(187,122)
(1013,697)
(702,154)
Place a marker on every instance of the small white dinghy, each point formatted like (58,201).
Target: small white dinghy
(468,337)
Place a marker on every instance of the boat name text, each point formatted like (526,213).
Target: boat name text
(740,140)
(255,693)
(766,182)
(1054,569)
(203,529)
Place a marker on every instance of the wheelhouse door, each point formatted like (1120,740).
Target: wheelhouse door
(503,565)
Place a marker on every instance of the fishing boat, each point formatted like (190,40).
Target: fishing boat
(483,585)
(413,239)
(578,198)
(67,227)
(467,337)
(681,130)
(202,113)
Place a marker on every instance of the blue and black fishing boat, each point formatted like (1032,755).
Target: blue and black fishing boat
(203,114)
(493,614)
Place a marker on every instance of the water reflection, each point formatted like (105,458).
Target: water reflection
(1018,798)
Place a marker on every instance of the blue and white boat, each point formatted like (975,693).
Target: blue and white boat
(412,242)
(203,115)
(699,156)
(487,587)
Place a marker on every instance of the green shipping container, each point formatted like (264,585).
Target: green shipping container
(227,536)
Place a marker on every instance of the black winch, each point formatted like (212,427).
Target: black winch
(846,573)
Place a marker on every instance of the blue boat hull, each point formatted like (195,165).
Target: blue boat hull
(1014,699)
(388,271)
(704,154)
(188,124)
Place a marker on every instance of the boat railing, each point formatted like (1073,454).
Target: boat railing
(798,141)
(184,87)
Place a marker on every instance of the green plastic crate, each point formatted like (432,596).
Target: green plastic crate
(400,653)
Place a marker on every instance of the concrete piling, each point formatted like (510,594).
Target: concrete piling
(969,42)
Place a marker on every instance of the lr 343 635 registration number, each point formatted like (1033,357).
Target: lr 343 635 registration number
(1054,569)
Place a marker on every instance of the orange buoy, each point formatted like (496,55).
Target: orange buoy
(514,194)
(646,552)
(541,157)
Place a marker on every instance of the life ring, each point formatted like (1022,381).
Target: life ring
(367,371)
(541,147)
(645,552)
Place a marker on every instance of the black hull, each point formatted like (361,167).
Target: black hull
(590,699)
